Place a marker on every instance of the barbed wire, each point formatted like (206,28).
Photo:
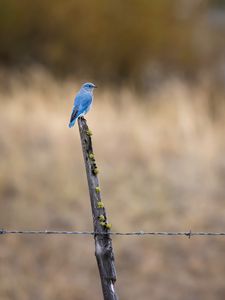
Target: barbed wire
(188,234)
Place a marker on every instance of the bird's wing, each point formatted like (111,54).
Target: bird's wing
(86,102)
(82,100)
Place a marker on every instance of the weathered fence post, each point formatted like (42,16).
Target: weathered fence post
(103,243)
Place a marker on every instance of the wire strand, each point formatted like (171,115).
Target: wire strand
(188,234)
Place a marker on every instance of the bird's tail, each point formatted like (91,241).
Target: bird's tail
(71,124)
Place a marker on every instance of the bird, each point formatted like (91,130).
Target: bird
(82,102)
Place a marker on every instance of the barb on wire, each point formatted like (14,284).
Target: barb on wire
(188,234)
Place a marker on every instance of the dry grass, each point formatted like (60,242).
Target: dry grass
(162,167)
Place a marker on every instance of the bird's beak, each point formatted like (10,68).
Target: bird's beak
(95,87)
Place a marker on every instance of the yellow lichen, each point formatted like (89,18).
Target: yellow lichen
(100,204)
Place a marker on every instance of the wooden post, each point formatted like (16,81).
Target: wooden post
(103,243)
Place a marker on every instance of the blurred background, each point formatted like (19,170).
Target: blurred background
(158,121)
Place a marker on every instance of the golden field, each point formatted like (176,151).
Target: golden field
(162,168)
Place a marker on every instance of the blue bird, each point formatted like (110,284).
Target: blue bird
(82,102)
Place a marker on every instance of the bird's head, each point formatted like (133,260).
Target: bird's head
(88,86)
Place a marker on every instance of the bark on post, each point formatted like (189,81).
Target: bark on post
(103,243)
